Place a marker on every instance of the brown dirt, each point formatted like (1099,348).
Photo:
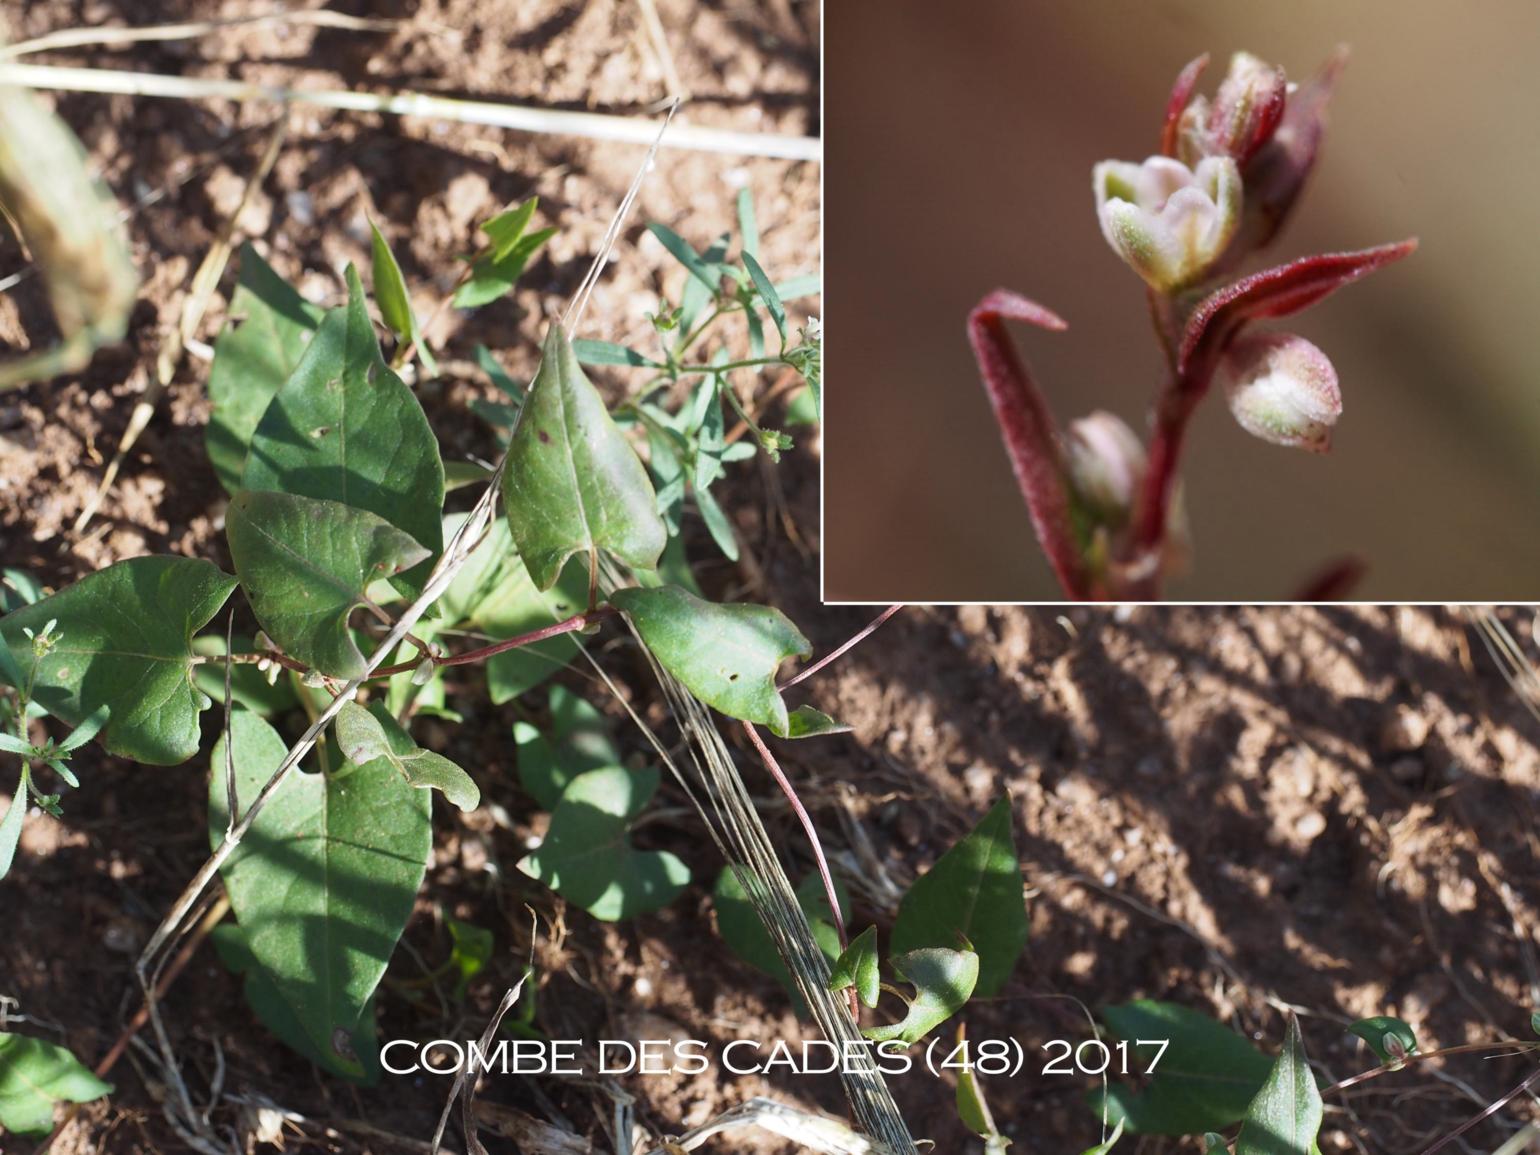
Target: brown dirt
(1229,809)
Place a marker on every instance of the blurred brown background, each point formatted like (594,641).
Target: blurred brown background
(959,154)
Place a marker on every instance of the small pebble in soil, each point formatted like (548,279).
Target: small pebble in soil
(1404,731)
(1310,825)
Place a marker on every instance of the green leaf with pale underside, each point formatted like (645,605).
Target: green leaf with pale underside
(364,736)
(123,640)
(306,564)
(573,484)
(587,856)
(323,882)
(943,981)
(857,967)
(1285,1117)
(726,655)
(345,428)
(270,327)
(972,894)
(34,1075)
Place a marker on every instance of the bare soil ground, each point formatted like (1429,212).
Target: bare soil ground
(1244,810)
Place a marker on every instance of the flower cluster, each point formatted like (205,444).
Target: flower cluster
(1229,172)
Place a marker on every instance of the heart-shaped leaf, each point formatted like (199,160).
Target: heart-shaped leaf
(270,326)
(973,894)
(365,736)
(34,1075)
(306,565)
(123,640)
(1204,1078)
(345,428)
(573,484)
(577,740)
(726,655)
(323,882)
(1285,1117)
(943,981)
(494,596)
(858,967)
(587,856)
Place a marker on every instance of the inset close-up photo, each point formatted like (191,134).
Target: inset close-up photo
(1183,300)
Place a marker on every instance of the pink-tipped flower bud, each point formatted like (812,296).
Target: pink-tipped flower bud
(1282,389)
(1169,222)
(1106,463)
(1243,116)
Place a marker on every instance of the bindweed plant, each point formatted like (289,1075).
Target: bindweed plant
(345,557)
(1105,503)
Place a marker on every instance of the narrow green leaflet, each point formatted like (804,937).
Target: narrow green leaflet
(306,565)
(858,967)
(395,303)
(609,353)
(345,428)
(573,484)
(123,640)
(806,722)
(34,1075)
(943,981)
(726,655)
(587,856)
(270,326)
(1285,1117)
(745,935)
(323,883)
(748,225)
(972,894)
(494,596)
(1203,1080)
(366,736)
(10,825)
(578,740)
(706,271)
(767,293)
(1390,1038)
(496,270)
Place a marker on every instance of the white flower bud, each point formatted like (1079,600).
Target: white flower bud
(1106,462)
(1169,222)
(1282,389)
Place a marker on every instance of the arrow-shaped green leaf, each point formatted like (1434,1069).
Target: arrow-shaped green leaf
(270,325)
(973,893)
(726,655)
(573,484)
(1285,1117)
(857,967)
(123,640)
(345,428)
(323,882)
(306,566)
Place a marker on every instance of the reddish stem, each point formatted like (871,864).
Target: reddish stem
(567,626)
(811,831)
(1333,582)
(842,650)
